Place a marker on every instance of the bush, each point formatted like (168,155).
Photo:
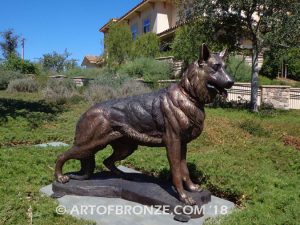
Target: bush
(101,91)
(23,85)
(88,72)
(239,69)
(274,58)
(60,91)
(133,87)
(6,76)
(187,42)
(14,63)
(271,64)
(146,45)
(189,38)
(267,81)
(293,60)
(98,93)
(148,69)
(114,81)
(118,44)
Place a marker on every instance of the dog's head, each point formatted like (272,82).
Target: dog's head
(207,77)
(213,65)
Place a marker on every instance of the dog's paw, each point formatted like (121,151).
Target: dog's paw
(187,200)
(63,179)
(194,188)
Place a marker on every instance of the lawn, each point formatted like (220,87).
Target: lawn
(251,159)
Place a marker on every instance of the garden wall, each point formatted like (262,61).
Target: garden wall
(277,96)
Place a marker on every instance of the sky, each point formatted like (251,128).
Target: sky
(56,25)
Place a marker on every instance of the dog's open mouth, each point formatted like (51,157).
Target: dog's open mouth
(220,91)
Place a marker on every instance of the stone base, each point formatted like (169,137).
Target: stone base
(140,188)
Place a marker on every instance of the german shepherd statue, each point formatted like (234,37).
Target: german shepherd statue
(171,117)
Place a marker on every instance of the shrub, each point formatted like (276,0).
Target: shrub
(186,43)
(148,69)
(14,63)
(60,91)
(274,58)
(190,37)
(267,81)
(101,91)
(6,76)
(293,60)
(88,72)
(23,85)
(133,87)
(239,69)
(118,44)
(146,45)
(114,81)
(271,64)
(98,93)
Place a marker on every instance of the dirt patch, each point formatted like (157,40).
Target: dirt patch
(292,141)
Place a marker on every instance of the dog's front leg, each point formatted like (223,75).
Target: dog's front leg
(173,145)
(190,186)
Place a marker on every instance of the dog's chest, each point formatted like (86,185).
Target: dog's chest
(194,127)
(185,118)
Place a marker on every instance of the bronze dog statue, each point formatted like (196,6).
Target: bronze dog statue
(171,117)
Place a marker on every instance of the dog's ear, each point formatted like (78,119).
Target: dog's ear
(224,54)
(204,54)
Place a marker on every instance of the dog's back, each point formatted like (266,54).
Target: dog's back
(138,117)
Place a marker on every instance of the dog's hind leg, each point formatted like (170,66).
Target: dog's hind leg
(121,150)
(74,153)
(87,169)
(85,152)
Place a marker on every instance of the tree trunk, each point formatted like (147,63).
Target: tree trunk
(254,79)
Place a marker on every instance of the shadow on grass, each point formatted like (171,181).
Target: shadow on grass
(198,177)
(34,112)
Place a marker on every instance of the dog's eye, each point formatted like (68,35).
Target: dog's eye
(216,67)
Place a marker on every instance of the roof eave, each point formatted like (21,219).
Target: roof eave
(105,27)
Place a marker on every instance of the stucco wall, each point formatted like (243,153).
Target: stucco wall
(138,20)
(162,16)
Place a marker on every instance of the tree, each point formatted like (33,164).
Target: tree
(186,38)
(57,62)
(118,43)
(9,44)
(265,22)
(146,45)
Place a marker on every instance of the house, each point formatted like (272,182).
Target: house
(157,16)
(162,18)
(90,61)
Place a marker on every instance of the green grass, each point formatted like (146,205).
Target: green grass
(267,81)
(240,156)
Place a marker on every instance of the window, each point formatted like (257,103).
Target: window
(134,31)
(146,25)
